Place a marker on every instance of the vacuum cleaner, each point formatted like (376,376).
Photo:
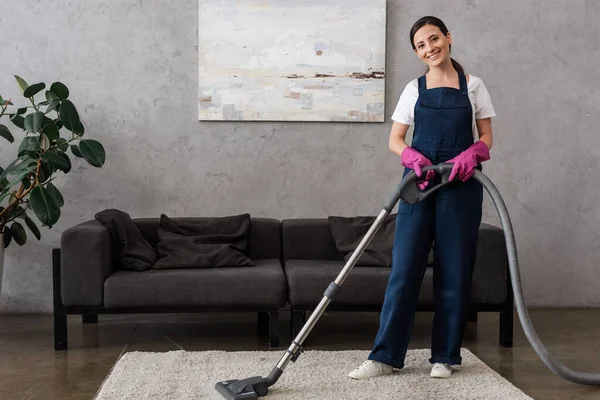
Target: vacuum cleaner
(257,386)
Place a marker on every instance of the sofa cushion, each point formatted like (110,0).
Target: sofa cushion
(261,286)
(264,238)
(214,242)
(348,232)
(364,286)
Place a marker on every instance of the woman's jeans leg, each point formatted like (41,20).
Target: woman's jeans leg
(413,238)
(458,217)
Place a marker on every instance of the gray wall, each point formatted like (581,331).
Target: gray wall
(132,69)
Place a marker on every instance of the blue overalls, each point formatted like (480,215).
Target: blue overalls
(450,218)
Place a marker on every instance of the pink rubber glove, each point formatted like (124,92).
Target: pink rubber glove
(412,159)
(465,162)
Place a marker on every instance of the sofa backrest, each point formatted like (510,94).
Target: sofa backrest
(308,239)
(264,238)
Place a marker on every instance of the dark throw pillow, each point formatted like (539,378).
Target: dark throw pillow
(213,242)
(349,231)
(131,250)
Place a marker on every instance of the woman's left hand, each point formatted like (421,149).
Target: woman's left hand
(466,162)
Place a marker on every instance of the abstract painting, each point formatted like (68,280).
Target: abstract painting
(290,60)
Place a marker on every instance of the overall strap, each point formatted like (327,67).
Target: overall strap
(422,84)
(463,83)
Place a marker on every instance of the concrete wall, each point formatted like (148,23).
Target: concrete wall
(132,70)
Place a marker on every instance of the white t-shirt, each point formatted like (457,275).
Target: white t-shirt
(478,94)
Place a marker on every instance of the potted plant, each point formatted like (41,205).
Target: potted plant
(26,183)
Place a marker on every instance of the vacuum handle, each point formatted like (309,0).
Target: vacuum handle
(408,190)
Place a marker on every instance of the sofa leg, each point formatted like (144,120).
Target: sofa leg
(60,331)
(506,328)
(60,317)
(274,329)
(263,326)
(89,318)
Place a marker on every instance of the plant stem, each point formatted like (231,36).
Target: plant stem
(4,107)
(33,104)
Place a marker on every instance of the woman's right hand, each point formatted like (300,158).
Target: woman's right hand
(414,160)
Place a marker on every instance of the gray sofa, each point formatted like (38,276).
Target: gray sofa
(296,259)
(311,261)
(87,282)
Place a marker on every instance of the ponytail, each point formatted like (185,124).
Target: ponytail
(457,66)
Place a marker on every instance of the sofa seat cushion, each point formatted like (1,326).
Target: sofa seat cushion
(365,285)
(260,286)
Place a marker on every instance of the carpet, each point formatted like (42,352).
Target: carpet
(316,374)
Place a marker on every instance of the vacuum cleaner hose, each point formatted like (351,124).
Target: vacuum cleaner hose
(511,248)
(408,191)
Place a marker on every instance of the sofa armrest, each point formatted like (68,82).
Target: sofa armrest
(490,275)
(86,262)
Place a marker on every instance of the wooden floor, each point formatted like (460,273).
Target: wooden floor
(31,369)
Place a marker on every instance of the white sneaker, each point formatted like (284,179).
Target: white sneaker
(440,370)
(371,369)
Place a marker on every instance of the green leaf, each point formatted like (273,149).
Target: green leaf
(60,90)
(18,120)
(57,160)
(52,106)
(43,206)
(18,233)
(6,134)
(33,227)
(75,150)
(65,156)
(19,172)
(63,145)
(17,211)
(29,123)
(29,143)
(9,170)
(51,97)
(46,171)
(93,152)
(55,195)
(38,120)
(7,237)
(34,89)
(17,179)
(70,117)
(51,131)
(21,82)
(26,183)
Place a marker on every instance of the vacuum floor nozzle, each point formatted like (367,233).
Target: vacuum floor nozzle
(243,389)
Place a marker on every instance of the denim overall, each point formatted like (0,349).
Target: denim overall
(450,217)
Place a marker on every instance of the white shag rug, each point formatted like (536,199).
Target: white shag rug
(319,375)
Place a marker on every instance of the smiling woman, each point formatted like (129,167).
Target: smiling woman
(452,114)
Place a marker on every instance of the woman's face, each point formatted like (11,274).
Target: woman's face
(432,46)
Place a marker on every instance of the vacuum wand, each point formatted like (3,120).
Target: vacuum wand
(407,190)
